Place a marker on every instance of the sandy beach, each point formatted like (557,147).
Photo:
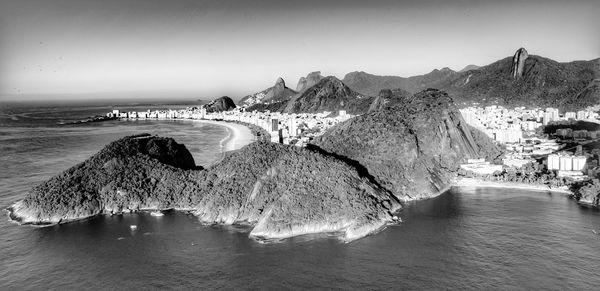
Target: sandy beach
(477,183)
(239,135)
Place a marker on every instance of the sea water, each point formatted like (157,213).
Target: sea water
(477,239)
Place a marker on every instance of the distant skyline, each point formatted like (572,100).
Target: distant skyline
(205,49)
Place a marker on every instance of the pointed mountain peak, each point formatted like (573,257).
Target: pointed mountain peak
(280,81)
(518,63)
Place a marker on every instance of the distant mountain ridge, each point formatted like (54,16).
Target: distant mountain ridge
(369,84)
(469,67)
(327,94)
(310,80)
(521,80)
(279,92)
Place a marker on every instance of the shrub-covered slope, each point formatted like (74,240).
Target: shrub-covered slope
(281,190)
(413,149)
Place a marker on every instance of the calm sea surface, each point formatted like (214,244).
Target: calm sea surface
(480,239)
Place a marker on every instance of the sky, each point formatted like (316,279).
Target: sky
(205,49)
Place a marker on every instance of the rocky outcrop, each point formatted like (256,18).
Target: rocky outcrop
(310,80)
(279,86)
(412,149)
(330,95)
(220,104)
(518,63)
(588,193)
(281,191)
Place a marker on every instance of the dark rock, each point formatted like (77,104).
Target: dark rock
(220,104)
(518,63)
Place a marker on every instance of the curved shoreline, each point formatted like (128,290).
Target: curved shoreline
(239,135)
(478,183)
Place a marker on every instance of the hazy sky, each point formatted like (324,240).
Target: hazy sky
(205,49)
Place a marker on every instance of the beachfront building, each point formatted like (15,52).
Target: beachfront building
(566,163)
(284,128)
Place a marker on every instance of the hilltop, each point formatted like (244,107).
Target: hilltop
(413,148)
(329,94)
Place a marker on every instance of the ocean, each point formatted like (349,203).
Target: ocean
(484,238)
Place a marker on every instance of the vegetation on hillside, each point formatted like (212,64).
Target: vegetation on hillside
(288,188)
(412,149)
(545,83)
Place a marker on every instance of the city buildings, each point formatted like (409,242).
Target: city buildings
(567,164)
(285,128)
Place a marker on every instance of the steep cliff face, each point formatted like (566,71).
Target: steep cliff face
(518,63)
(286,191)
(220,104)
(310,80)
(331,95)
(282,191)
(412,149)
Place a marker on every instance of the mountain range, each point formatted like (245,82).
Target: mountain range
(520,80)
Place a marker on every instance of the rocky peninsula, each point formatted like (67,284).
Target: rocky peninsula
(282,191)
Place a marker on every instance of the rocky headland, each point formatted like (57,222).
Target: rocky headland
(281,191)
(413,149)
